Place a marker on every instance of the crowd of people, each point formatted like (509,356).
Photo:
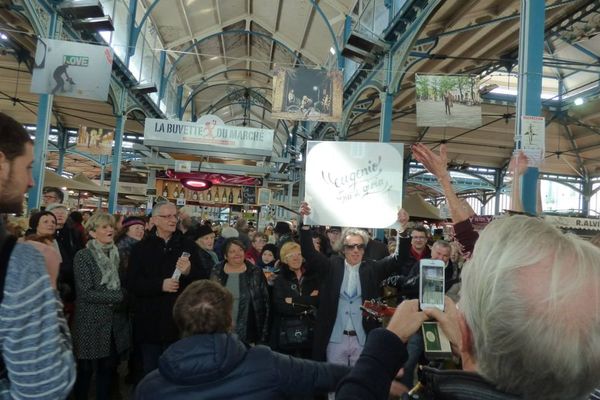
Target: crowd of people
(194,309)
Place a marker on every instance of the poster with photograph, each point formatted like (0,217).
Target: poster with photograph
(95,140)
(448,101)
(533,139)
(303,94)
(72,69)
(354,183)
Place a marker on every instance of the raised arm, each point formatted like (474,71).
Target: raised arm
(437,164)
(393,264)
(314,259)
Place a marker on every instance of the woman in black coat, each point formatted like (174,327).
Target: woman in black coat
(295,299)
(248,285)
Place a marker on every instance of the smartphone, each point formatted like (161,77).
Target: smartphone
(431,284)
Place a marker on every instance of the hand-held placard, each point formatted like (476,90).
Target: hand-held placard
(177,272)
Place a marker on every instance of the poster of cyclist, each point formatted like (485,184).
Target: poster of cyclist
(303,94)
(95,140)
(72,69)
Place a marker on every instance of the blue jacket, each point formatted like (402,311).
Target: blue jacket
(220,366)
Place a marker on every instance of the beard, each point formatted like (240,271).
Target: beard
(11,201)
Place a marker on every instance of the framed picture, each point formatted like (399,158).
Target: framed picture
(264,197)
(303,94)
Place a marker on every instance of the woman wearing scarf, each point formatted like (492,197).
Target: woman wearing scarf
(204,237)
(100,331)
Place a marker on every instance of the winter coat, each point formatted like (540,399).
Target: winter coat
(221,367)
(98,314)
(152,261)
(303,305)
(254,296)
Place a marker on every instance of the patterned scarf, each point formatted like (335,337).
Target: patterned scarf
(109,265)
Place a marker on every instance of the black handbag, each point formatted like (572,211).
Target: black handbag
(295,332)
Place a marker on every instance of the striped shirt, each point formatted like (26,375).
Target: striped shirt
(34,337)
(595,395)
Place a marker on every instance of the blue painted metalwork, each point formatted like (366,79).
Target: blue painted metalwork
(200,89)
(340,59)
(163,80)
(231,32)
(116,164)
(179,100)
(490,22)
(531,53)
(134,31)
(42,131)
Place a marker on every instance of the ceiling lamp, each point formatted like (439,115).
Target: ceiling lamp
(196,184)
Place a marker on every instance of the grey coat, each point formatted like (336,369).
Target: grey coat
(98,312)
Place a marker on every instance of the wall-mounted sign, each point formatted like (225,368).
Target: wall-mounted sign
(72,69)
(223,138)
(574,223)
(354,183)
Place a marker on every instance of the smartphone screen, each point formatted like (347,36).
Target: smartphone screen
(431,285)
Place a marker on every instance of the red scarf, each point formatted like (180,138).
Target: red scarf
(418,256)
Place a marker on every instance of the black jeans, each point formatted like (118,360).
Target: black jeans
(104,370)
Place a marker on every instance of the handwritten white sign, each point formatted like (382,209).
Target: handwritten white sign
(354,183)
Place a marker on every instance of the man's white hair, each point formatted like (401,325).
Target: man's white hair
(530,295)
(355,232)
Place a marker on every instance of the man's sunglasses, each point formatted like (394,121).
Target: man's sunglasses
(354,246)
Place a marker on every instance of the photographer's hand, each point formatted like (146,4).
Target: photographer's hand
(407,320)
(448,321)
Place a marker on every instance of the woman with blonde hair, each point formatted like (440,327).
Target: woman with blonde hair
(295,299)
(100,330)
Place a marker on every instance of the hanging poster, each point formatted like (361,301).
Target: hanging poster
(353,183)
(533,139)
(448,101)
(95,140)
(303,94)
(72,69)
(195,136)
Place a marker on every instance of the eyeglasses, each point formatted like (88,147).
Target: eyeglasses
(168,216)
(293,255)
(49,196)
(354,246)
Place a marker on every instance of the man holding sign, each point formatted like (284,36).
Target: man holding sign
(341,330)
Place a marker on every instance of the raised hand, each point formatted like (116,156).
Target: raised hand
(434,163)
(403,218)
(304,208)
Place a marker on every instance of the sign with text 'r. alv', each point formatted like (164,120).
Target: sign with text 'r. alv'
(354,183)
(222,138)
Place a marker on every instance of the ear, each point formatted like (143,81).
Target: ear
(466,344)
(92,234)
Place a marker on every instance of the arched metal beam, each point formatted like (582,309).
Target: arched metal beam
(135,30)
(474,175)
(340,60)
(197,91)
(235,32)
(211,108)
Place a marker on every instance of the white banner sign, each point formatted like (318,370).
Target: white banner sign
(72,69)
(533,139)
(191,135)
(574,223)
(354,183)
